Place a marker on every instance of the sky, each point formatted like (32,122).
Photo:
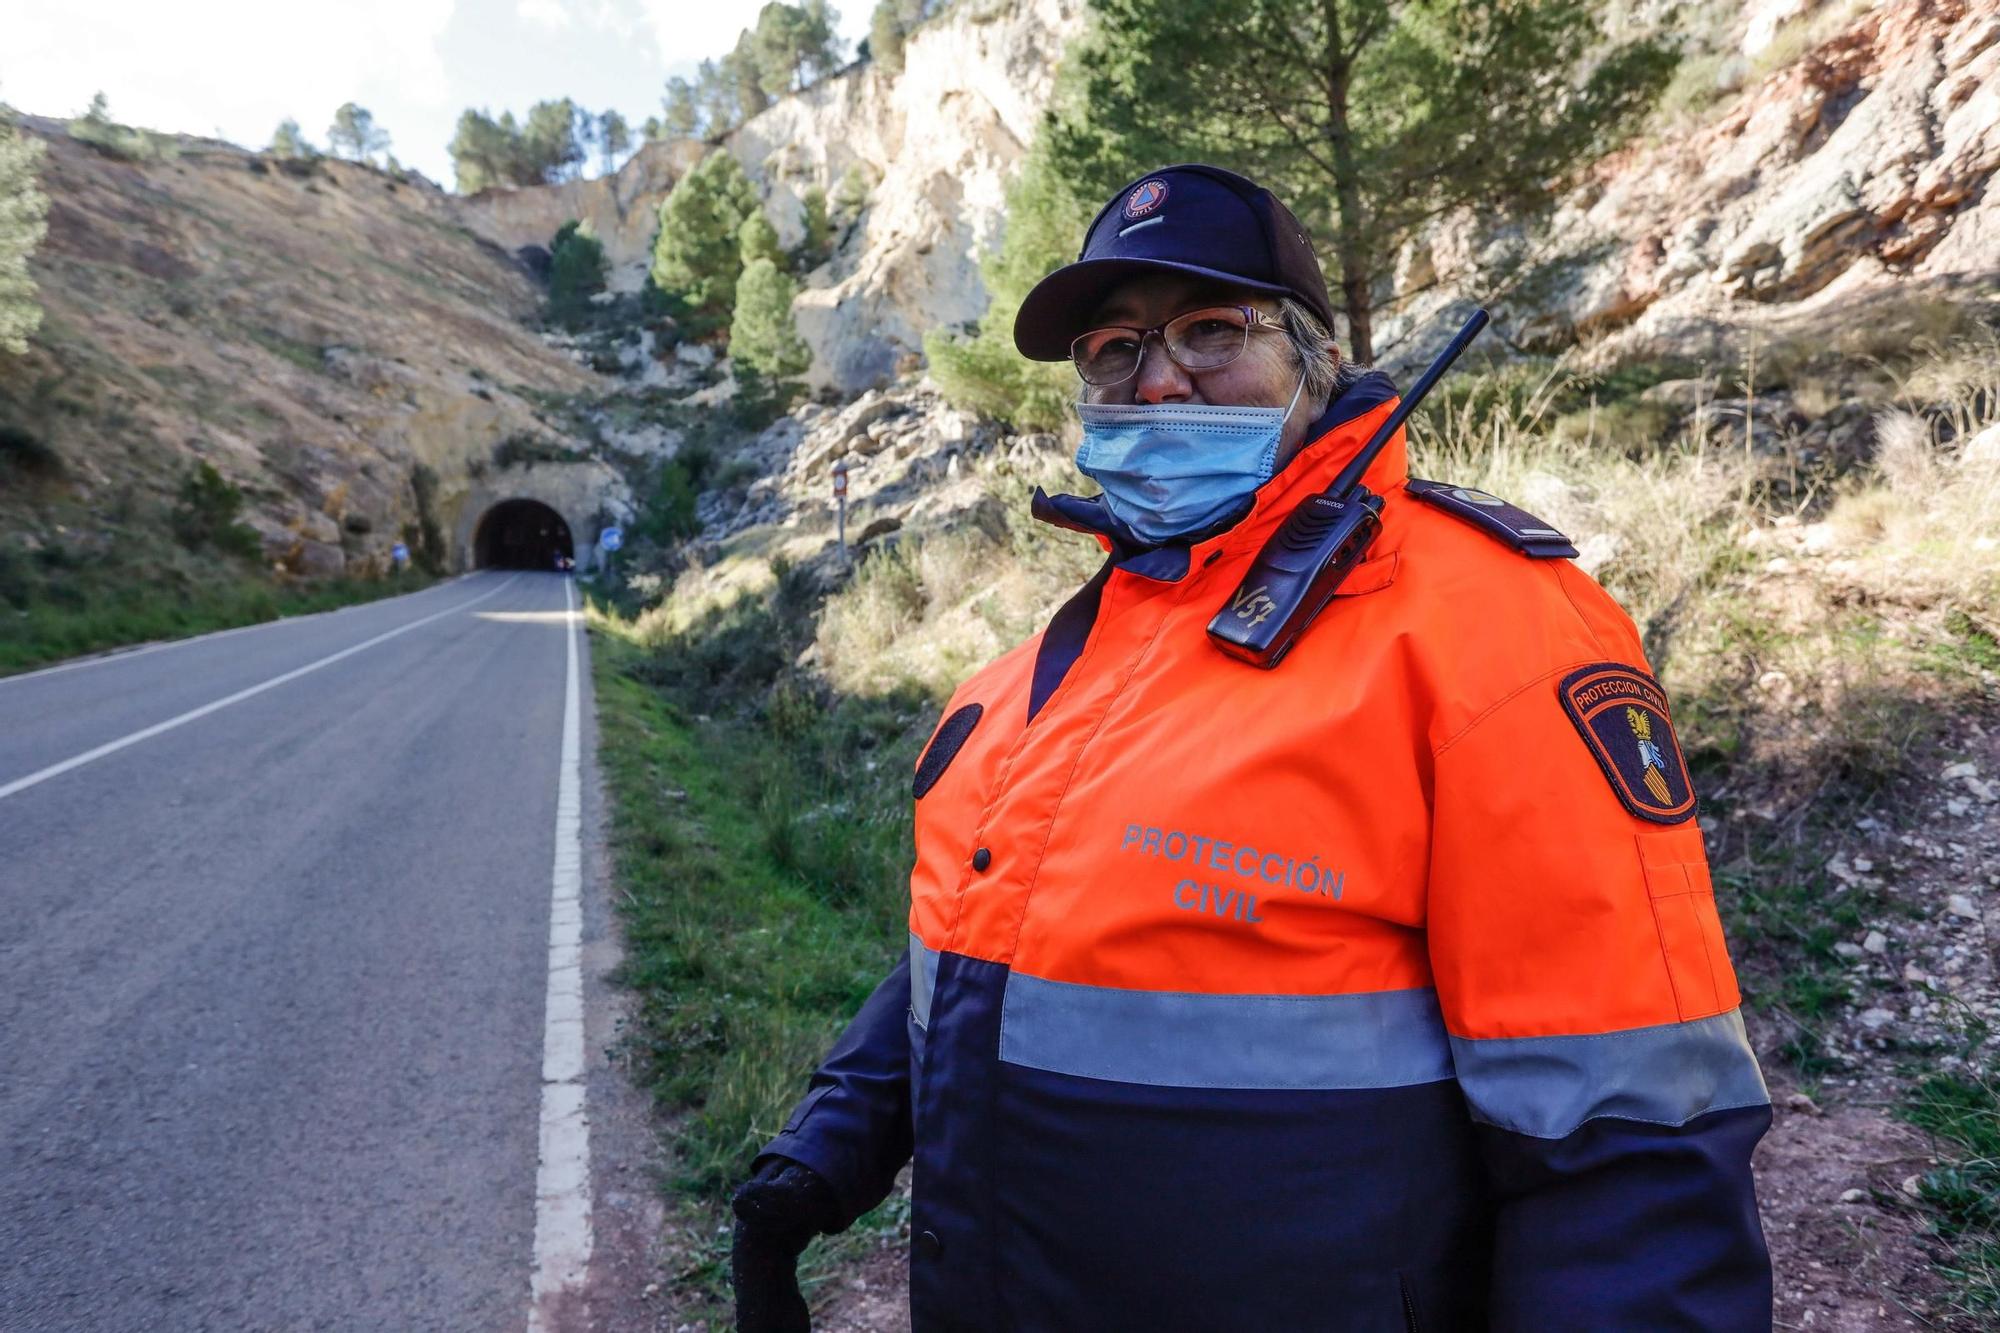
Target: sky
(236,68)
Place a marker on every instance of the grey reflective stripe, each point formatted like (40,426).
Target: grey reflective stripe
(923,980)
(1548,1086)
(1383,1039)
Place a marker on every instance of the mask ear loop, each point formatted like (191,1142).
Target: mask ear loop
(1271,465)
(1295,396)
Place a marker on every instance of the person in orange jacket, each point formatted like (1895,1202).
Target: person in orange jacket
(1381,990)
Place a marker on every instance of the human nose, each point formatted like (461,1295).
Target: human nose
(1159,378)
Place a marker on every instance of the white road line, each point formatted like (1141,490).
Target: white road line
(158,728)
(562,1180)
(146,650)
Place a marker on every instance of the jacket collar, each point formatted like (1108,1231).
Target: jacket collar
(1331,443)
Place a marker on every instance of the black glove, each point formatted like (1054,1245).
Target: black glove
(778,1210)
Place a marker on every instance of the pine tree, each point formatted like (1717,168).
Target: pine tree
(762,336)
(793,45)
(698,254)
(23,223)
(817,244)
(486,152)
(614,136)
(288,141)
(552,140)
(743,81)
(683,111)
(576,270)
(354,135)
(757,239)
(889,28)
(1370,118)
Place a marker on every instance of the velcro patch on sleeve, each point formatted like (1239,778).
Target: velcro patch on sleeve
(1513,525)
(944,748)
(1621,714)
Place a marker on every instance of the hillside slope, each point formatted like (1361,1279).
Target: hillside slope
(317,336)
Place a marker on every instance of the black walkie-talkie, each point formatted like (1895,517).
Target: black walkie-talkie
(1303,563)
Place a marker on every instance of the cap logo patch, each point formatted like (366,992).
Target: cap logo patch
(1622,716)
(1145,199)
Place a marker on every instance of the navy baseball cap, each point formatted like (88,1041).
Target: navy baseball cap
(1187,219)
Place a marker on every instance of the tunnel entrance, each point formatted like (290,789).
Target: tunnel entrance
(521,534)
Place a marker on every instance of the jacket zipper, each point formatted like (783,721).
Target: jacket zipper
(1409,1303)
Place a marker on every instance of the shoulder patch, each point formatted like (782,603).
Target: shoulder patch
(1621,714)
(1517,527)
(944,748)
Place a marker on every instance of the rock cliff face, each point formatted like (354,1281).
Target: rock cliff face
(935,146)
(938,145)
(622,209)
(321,338)
(1862,166)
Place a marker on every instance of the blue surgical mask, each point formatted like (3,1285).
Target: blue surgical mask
(1172,469)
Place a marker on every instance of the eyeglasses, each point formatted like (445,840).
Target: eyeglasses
(1204,339)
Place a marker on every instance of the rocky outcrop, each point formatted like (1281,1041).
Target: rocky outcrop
(622,210)
(937,145)
(1864,164)
(903,448)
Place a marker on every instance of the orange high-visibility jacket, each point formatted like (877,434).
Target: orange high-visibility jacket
(1384,989)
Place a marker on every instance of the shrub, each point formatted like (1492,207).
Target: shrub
(817,244)
(576,271)
(425,537)
(23,451)
(850,196)
(23,213)
(206,515)
(96,128)
(669,515)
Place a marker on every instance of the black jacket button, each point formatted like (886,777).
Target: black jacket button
(981,859)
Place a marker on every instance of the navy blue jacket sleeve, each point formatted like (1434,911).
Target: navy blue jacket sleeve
(1623,1224)
(853,1126)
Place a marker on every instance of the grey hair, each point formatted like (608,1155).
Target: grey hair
(1328,374)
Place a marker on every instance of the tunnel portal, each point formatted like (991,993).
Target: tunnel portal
(521,534)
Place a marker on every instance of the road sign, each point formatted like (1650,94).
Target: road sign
(840,479)
(611,539)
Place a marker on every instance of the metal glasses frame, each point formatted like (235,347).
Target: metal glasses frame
(1253,318)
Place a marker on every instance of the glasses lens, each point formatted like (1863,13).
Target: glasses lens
(1205,339)
(1106,356)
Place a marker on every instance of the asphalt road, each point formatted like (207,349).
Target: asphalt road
(272,981)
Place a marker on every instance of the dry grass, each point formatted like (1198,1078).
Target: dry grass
(1652,517)
(1926,526)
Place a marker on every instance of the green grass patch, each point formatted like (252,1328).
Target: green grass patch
(78,608)
(1961,1110)
(761,832)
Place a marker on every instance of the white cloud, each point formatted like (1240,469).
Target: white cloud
(238,66)
(547,13)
